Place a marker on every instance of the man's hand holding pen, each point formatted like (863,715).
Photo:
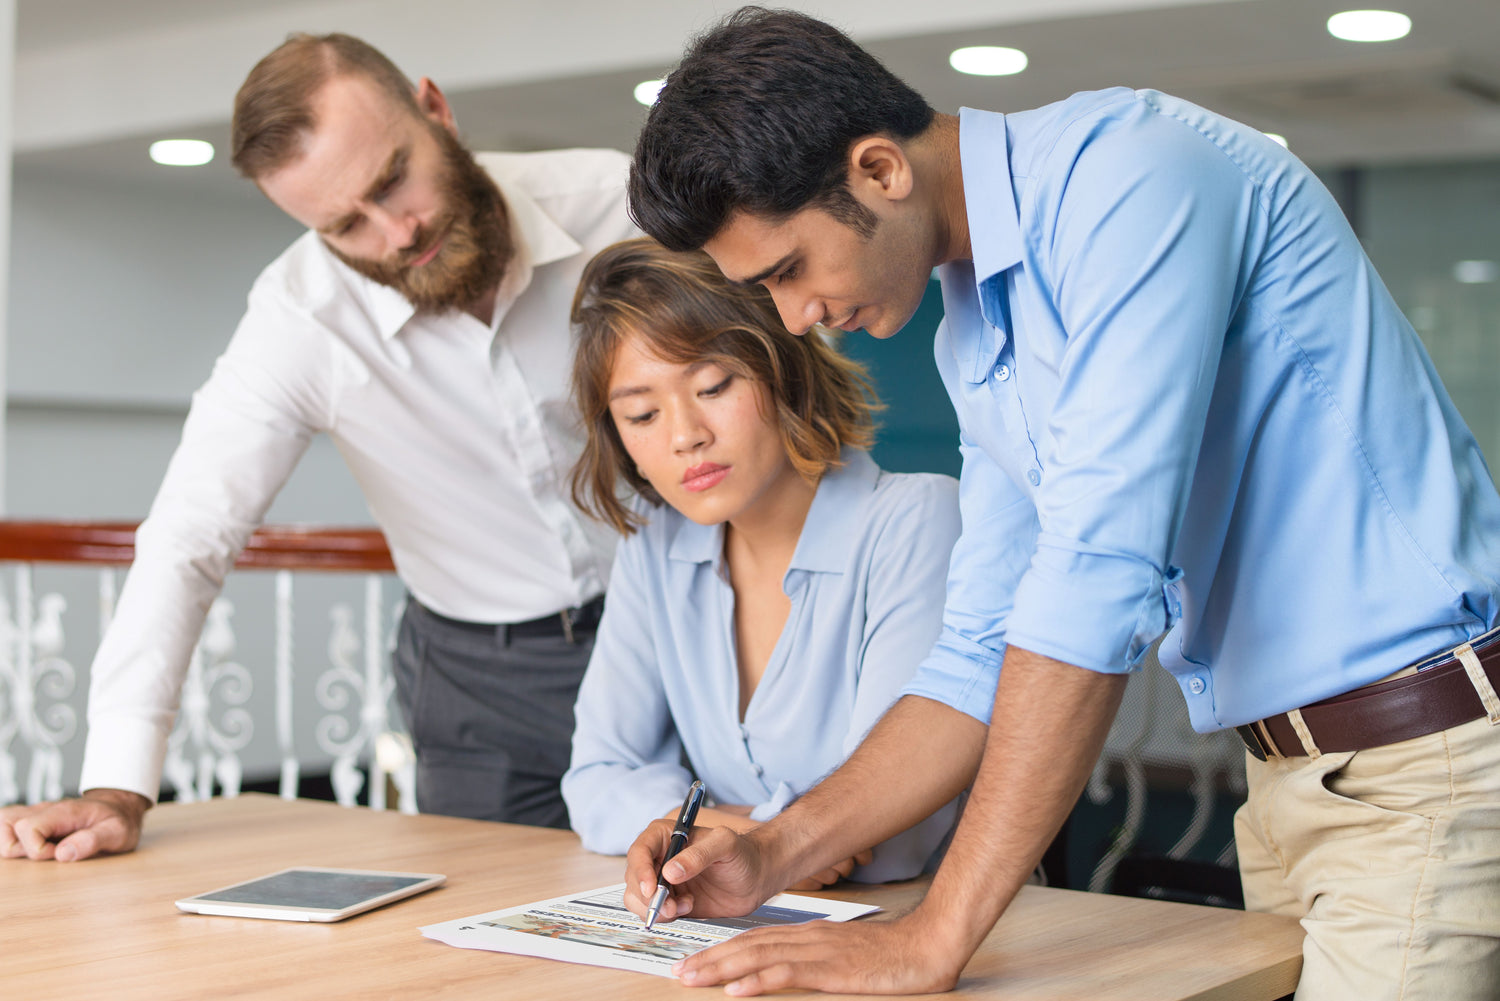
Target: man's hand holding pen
(722,873)
(732,885)
(676,842)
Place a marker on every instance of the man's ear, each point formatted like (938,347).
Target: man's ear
(879,166)
(434,105)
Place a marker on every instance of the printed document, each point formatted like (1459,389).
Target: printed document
(594,928)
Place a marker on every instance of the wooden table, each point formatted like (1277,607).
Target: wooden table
(107,927)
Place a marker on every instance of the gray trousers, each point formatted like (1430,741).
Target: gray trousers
(490,716)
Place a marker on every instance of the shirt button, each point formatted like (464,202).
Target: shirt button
(1034,476)
(744,731)
(759,771)
(1002,372)
(1196,686)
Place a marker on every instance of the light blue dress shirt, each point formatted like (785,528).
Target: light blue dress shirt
(661,698)
(1189,406)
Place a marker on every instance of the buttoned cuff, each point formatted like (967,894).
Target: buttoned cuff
(123,753)
(961,674)
(1092,609)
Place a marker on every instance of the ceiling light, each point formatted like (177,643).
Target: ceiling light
(646,91)
(987,60)
(182,152)
(1369,25)
(1476,272)
(1277,138)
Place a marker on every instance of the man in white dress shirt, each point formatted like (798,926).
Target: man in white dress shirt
(422,324)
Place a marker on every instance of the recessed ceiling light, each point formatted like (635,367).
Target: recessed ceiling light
(1277,138)
(182,152)
(1476,272)
(646,91)
(1369,25)
(987,60)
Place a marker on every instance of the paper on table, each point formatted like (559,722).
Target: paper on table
(594,928)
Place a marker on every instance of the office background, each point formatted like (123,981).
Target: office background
(126,278)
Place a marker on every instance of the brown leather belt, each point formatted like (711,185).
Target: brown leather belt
(1433,699)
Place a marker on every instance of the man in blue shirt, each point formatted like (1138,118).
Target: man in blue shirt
(1189,411)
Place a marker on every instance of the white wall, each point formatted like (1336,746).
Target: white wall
(121,300)
(7,136)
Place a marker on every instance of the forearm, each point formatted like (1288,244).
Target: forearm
(736,818)
(918,757)
(1048,728)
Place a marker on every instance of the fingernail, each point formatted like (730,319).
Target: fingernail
(67,853)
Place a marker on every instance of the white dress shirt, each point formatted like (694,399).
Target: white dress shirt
(460,434)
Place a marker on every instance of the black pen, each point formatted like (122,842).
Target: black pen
(679,841)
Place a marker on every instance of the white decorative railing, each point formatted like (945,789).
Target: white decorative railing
(36,678)
(357,734)
(356,729)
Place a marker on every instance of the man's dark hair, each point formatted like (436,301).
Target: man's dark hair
(759,117)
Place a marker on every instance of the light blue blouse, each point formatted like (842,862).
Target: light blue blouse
(660,701)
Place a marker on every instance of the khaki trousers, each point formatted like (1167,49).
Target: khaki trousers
(1391,859)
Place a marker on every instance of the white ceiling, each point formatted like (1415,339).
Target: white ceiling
(96,80)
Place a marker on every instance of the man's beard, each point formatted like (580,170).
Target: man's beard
(475,233)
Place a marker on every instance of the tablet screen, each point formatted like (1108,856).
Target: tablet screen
(332,891)
(310,894)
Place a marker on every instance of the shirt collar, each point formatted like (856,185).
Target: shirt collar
(695,543)
(989,192)
(995,245)
(828,534)
(831,531)
(537,238)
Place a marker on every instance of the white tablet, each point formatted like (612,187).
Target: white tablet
(310,894)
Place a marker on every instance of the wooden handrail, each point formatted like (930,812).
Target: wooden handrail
(272,547)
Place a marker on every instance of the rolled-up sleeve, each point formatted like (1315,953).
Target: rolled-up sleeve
(1143,235)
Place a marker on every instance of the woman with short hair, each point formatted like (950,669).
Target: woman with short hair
(775,588)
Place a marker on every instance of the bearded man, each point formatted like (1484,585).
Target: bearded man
(422,323)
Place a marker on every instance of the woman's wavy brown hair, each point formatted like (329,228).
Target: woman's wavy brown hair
(687,312)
